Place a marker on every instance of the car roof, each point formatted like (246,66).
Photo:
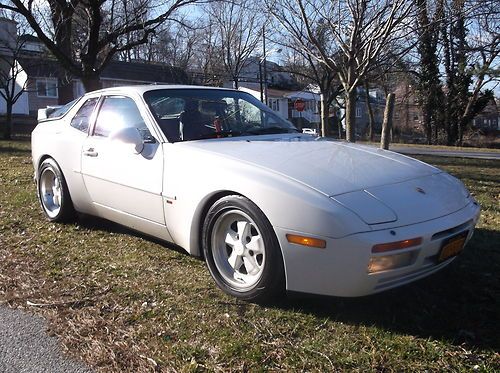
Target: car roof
(140,89)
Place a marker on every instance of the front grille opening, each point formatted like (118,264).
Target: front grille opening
(451,231)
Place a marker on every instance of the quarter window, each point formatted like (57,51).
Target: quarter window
(119,112)
(82,118)
(46,88)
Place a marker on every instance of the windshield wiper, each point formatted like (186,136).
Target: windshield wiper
(215,135)
(270,130)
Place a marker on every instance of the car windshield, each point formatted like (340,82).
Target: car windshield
(194,114)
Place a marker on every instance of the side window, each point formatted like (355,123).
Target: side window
(118,112)
(82,118)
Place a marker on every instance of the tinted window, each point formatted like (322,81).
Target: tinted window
(82,118)
(118,112)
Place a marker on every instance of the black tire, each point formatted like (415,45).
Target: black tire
(258,275)
(53,193)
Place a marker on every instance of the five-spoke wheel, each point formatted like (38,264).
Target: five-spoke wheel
(241,249)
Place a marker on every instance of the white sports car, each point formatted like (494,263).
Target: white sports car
(269,208)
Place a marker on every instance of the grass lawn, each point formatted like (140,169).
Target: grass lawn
(123,302)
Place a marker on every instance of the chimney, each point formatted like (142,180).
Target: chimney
(8,35)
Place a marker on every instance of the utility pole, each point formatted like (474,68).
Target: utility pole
(260,81)
(265,65)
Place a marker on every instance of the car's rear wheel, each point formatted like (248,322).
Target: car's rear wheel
(242,251)
(53,192)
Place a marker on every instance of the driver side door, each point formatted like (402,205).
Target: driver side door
(124,186)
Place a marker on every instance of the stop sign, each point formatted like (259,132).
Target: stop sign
(299,104)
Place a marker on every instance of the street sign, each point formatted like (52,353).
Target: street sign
(299,104)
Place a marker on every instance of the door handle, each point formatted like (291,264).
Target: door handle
(90,152)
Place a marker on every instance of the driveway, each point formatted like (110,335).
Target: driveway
(26,347)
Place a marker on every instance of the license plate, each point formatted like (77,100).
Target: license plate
(453,246)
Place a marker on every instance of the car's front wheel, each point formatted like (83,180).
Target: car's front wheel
(53,192)
(242,251)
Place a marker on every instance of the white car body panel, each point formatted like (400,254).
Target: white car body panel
(351,196)
(330,167)
(119,179)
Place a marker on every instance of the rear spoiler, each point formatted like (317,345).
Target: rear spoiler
(44,113)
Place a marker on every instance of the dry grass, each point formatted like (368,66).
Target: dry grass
(467,149)
(123,302)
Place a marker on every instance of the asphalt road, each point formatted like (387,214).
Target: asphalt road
(444,153)
(25,346)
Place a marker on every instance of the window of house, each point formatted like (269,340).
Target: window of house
(415,116)
(46,87)
(81,119)
(274,104)
(358,112)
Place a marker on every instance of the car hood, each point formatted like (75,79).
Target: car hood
(328,166)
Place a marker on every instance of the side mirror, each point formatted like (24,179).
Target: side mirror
(129,135)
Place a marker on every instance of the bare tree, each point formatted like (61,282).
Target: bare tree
(429,88)
(357,34)
(237,28)
(174,43)
(471,44)
(84,35)
(311,71)
(13,80)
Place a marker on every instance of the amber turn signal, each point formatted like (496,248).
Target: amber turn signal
(306,241)
(398,245)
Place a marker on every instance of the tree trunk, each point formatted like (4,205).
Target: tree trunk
(387,124)
(339,126)
(7,134)
(426,120)
(350,115)
(325,114)
(65,91)
(91,83)
(371,119)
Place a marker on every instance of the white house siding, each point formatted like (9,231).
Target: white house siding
(22,104)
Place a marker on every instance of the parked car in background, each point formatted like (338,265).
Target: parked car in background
(269,208)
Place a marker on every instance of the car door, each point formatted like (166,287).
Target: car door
(125,186)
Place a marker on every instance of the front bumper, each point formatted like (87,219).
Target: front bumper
(341,269)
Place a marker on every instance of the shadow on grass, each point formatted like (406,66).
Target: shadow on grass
(14,151)
(460,304)
(99,224)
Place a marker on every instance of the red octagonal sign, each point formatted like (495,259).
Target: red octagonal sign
(299,104)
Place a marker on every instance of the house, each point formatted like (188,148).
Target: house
(275,76)
(282,102)
(488,119)
(408,115)
(376,99)
(42,76)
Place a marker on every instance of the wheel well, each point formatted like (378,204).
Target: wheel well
(40,160)
(203,213)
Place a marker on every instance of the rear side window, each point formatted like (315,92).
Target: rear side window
(82,118)
(117,112)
